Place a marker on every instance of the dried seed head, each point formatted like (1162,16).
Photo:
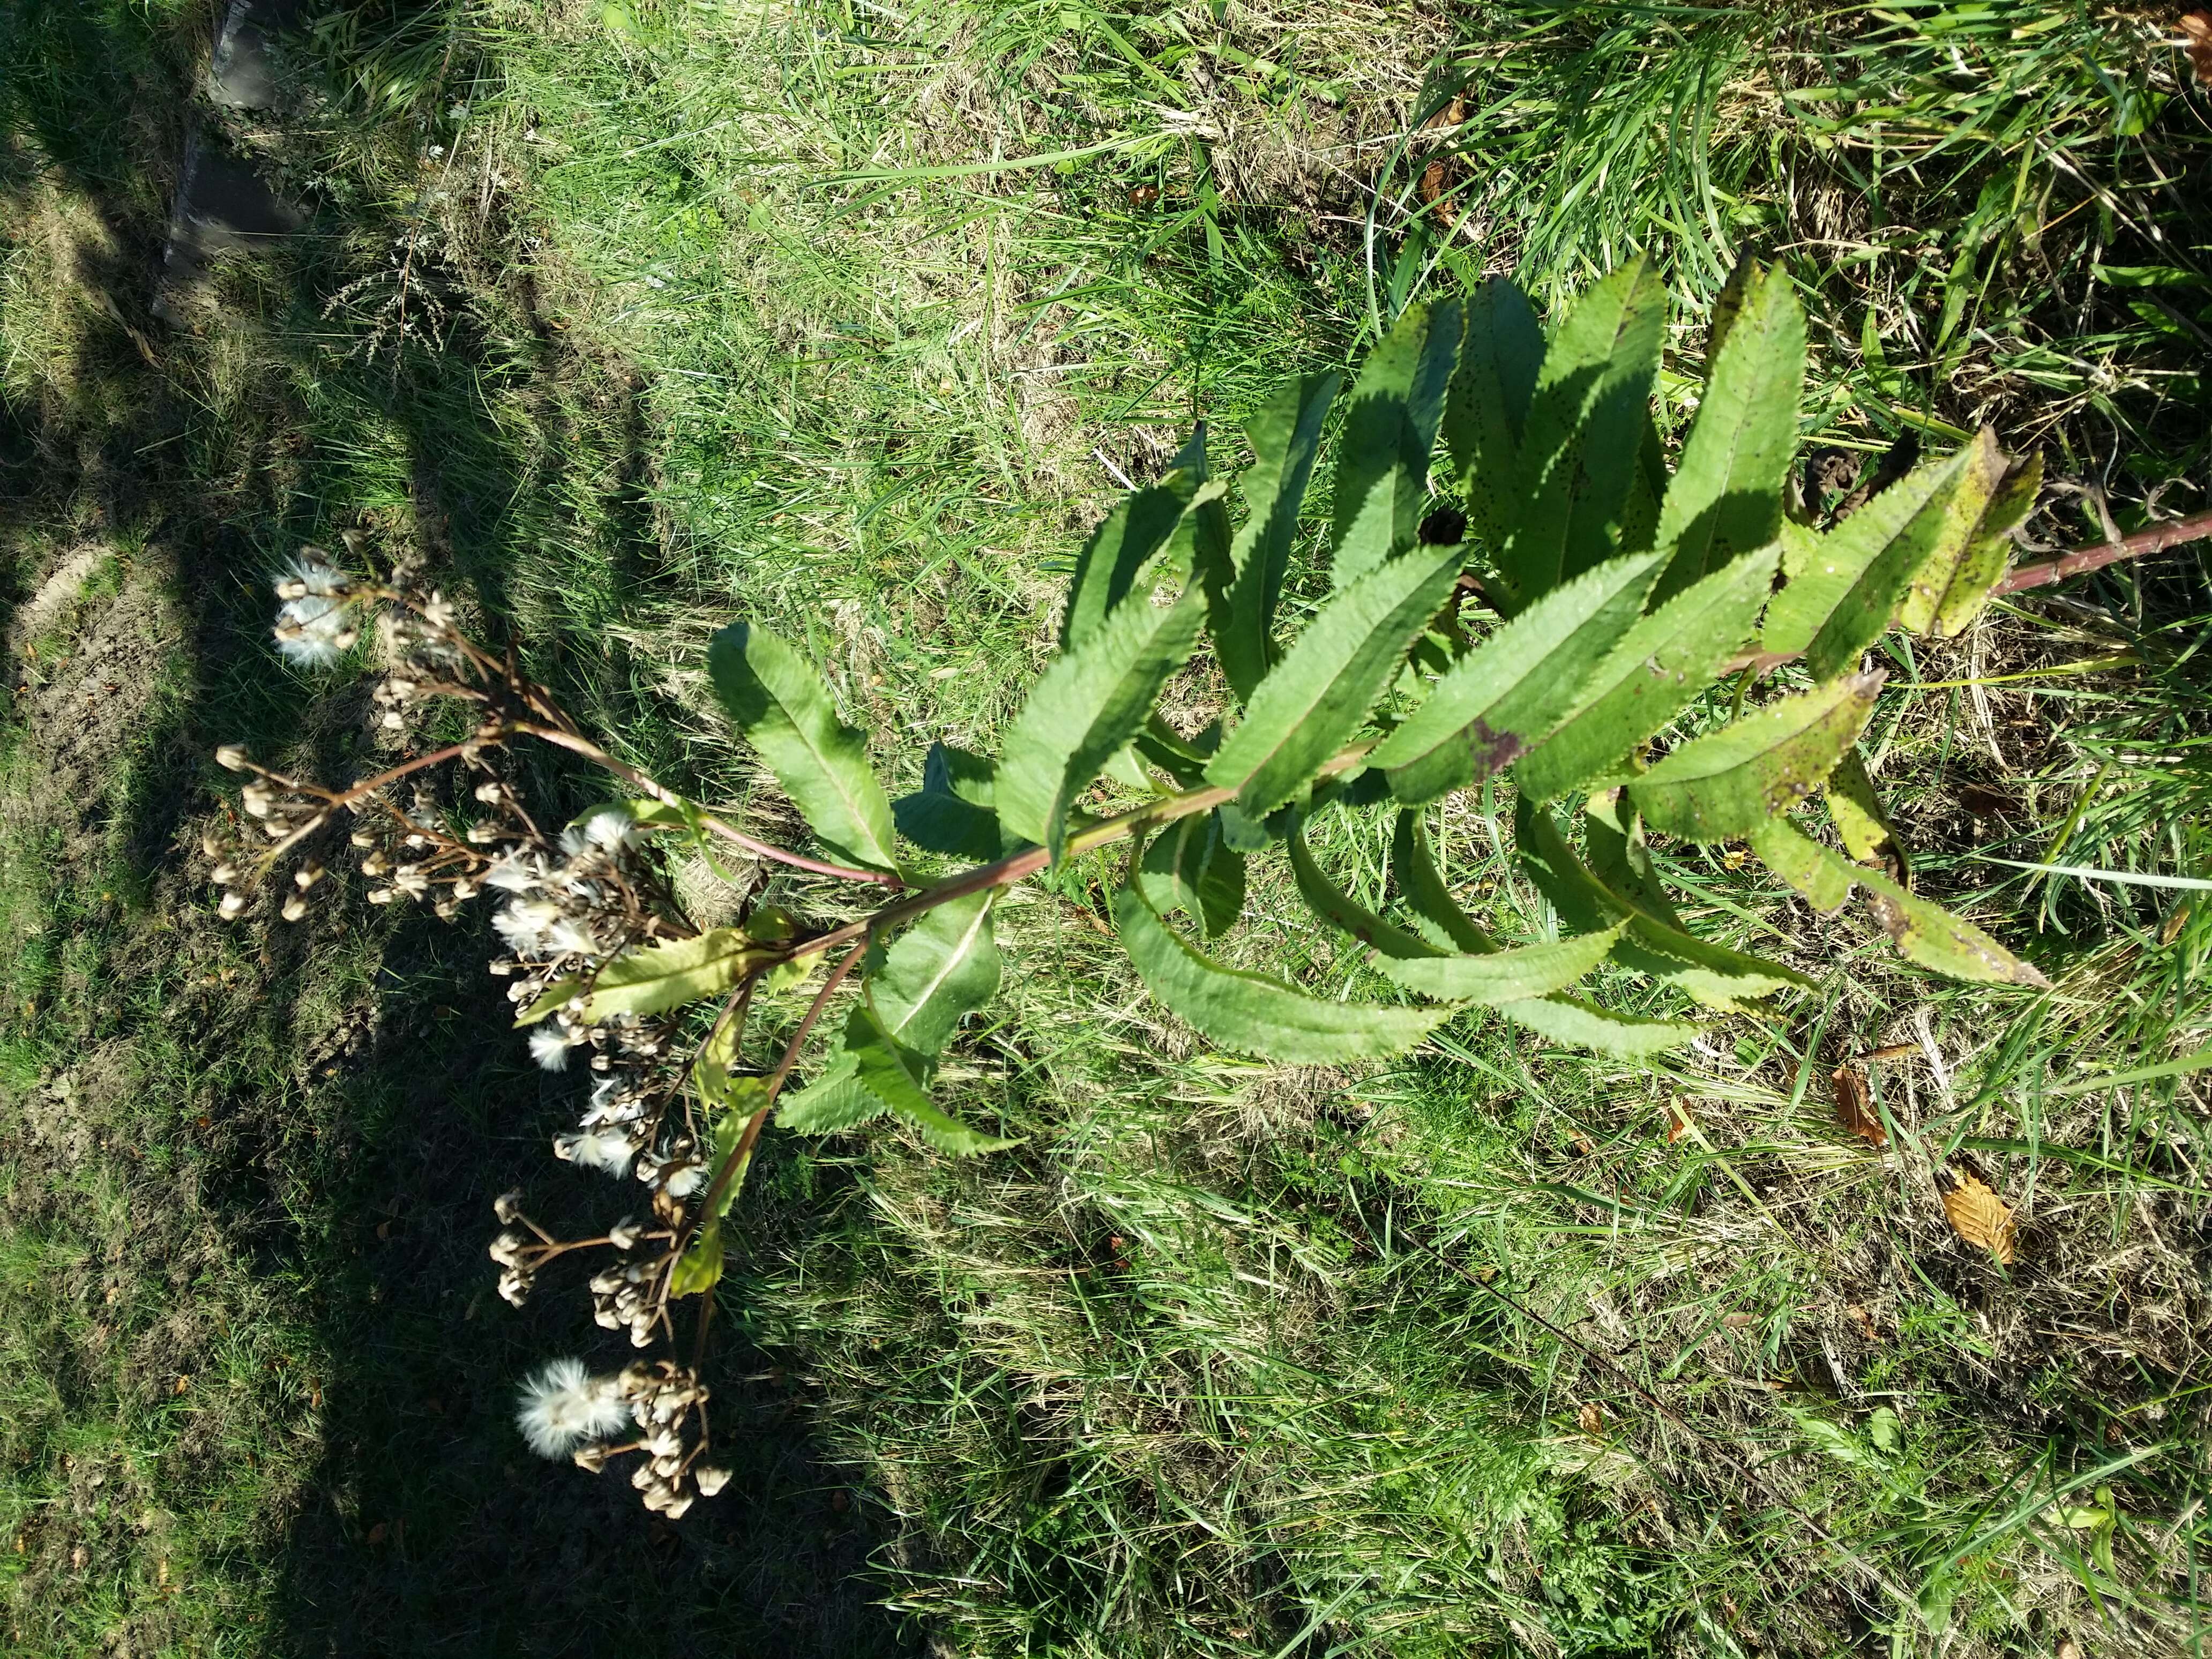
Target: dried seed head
(295,907)
(223,874)
(307,875)
(233,902)
(507,1206)
(232,757)
(710,1479)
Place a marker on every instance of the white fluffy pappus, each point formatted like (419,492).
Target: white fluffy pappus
(564,1406)
(601,1149)
(548,1047)
(314,626)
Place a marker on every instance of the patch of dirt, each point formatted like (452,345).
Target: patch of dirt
(87,705)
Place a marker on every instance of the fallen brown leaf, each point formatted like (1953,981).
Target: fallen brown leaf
(1865,1320)
(1591,1420)
(1855,1107)
(2196,36)
(1436,177)
(1977,1215)
(1739,1322)
(1678,1120)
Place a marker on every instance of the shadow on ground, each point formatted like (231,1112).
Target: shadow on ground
(338,1102)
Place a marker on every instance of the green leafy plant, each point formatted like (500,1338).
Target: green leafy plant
(1485,469)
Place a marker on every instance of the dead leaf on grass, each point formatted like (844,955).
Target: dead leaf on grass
(1678,1120)
(2196,36)
(2174,924)
(1865,1321)
(1855,1106)
(1438,176)
(1591,1420)
(1977,1215)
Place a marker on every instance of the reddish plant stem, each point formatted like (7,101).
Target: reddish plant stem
(2156,539)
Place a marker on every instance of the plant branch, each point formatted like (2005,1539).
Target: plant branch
(1016,865)
(2082,559)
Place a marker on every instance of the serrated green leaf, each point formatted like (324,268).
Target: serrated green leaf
(1951,588)
(1623,1037)
(1712,974)
(1254,1013)
(1487,407)
(1725,500)
(1390,431)
(555,997)
(1285,436)
(950,825)
(1647,489)
(1190,867)
(1659,668)
(738,1100)
(1924,933)
(699,1268)
(1320,694)
(1861,818)
(1932,936)
(894,1075)
(1141,525)
(1439,918)
(1620,860)
(658,977)
(1487,978)
(1823,879)
(1499,700)
(1088,705)
(944,967)
(1339,910)
(952,812)
(1725,785)
(779,704)
(1498,977)
(1581,447)
(832,1101)
(1842,590)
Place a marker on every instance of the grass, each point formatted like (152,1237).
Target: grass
(850,318)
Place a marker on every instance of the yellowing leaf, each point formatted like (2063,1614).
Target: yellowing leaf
(1980,1217)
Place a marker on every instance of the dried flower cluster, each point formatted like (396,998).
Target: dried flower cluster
(566,1411)
(568,903)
